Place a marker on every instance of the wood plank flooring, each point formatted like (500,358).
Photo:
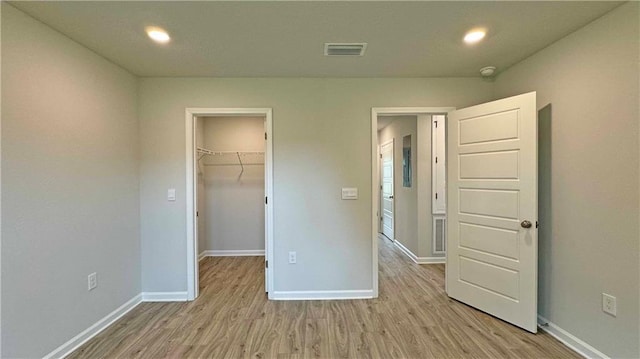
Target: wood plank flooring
(412,318)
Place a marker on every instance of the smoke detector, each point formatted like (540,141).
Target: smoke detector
(487,71)
(345,49)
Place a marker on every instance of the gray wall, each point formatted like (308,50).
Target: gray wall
(588,177)
(70,187)
(322,142)
(234,199)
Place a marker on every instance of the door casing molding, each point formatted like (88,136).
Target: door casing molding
(191,115)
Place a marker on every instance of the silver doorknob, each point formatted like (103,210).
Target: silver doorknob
(525,224)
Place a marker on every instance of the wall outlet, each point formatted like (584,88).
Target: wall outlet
(292,258)
(93,280)
(609,304)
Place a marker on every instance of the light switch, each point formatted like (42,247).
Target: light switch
(349,193)
(171,194)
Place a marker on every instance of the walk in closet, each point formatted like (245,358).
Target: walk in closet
(231,186)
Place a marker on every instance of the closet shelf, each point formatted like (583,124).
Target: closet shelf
(239,154)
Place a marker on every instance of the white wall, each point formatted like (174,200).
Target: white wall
(70,187)
(234,198)
(322,142)
(589,239)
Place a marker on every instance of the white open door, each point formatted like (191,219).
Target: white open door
(386,195)
(492,250)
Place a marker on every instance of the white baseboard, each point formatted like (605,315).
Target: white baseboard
(568,339)
(164,296)
(232,253)
(322,294)
(431,260)
(406,251)
(73,344)
(419,260)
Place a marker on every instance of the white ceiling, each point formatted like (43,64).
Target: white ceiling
(286,39)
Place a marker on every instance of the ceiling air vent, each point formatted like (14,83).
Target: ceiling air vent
(341,49)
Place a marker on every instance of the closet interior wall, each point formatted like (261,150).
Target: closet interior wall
(231,194)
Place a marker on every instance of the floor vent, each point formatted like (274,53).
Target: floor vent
(439,233)
(345,49)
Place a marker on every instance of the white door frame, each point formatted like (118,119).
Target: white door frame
(375,177)
(192,245)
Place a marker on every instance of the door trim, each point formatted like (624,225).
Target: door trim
(192,247)
(375,177)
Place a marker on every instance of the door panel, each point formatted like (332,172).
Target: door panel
(492,278)
(386,196)
(491,258)
(489,165)
(491,127)
(497,241)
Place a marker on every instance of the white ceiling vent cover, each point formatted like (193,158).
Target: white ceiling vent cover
(345,49)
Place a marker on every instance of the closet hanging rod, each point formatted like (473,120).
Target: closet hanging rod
(231,164)
(210,152)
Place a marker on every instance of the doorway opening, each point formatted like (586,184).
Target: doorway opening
(229,187)
(404,198)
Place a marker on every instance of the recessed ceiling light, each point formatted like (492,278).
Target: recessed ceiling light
(474,36)
(158,34)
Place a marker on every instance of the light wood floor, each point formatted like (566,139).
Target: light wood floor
(412,318)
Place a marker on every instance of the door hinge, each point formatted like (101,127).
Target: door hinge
(436,159)
(381,155)
(436,195)
(537,224)
(197,214)
(265,135)
(266,200)
(436,124)
(266,264)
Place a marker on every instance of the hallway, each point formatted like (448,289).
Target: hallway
(412,318)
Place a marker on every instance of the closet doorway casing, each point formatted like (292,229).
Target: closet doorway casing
(191,115)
